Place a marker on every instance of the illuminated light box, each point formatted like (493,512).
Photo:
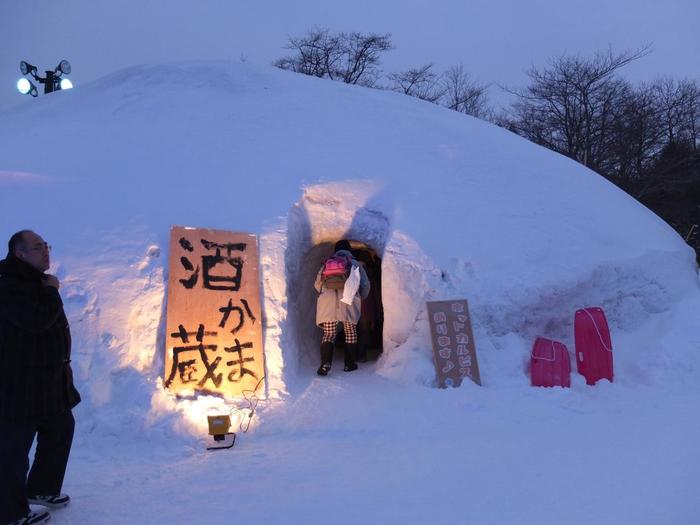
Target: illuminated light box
(218,425)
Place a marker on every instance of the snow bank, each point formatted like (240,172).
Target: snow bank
(455,208)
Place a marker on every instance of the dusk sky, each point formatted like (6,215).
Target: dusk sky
(496,40)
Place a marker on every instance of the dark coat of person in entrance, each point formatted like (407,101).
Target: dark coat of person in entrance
(329,306)
(36,379)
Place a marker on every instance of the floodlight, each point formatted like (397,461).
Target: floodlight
(52,81)
(63,67)
(219,427)
(26,68)
(25,87)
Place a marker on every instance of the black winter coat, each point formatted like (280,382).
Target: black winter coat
(36,379)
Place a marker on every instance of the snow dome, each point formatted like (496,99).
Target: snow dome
(452,206)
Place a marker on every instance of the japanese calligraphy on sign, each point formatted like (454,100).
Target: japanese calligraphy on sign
(453,342)
(214,333)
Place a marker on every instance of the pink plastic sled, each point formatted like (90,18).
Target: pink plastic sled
(550,364)
(594,359)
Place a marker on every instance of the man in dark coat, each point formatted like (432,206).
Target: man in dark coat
(36,383)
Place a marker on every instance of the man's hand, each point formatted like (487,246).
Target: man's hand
(50,280)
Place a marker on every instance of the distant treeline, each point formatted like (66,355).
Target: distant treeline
(643,137)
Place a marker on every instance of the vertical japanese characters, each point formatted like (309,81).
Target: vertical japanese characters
(214,333)
(453,342)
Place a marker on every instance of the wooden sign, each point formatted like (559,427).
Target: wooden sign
(453,342)
(214,332)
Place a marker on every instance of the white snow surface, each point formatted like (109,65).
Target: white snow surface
(455,207)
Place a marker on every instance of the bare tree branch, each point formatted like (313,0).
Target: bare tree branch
(419,82)
(350,57)
(463,94)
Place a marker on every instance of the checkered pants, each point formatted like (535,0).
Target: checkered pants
(330,330)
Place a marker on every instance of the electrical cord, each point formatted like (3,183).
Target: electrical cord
(252,401)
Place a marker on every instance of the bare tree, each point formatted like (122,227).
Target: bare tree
(463,94)
(362,57)
(643,138)
(420,82)
(570,105)
(353,58)
(636,135)
(317,54)
(694,114)
(671,102)
(679,105)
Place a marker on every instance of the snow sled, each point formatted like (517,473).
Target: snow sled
(594,359)
(550,364)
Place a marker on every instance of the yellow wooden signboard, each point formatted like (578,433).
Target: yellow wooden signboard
(214,332)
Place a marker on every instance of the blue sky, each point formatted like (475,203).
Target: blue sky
(496,40)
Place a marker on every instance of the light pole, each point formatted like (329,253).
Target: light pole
(53,81)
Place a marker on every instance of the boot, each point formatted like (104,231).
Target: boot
(350,357)
(326,359)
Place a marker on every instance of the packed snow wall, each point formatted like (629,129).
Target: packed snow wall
(355,210)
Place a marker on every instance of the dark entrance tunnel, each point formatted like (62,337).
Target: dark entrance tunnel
(303,303)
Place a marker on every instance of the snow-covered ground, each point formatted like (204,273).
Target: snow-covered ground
(455,207)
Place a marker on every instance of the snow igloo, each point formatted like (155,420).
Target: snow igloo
(448,206)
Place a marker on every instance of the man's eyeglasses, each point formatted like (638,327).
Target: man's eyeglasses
(40,248)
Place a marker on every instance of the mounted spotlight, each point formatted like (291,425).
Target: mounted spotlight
(27,69)
(25,87)
(53,80)
(63,67)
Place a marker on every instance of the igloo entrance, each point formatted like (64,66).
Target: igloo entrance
(371,322)
(326,213)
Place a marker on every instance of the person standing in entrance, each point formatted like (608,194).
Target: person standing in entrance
(335,309)
(36,383)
